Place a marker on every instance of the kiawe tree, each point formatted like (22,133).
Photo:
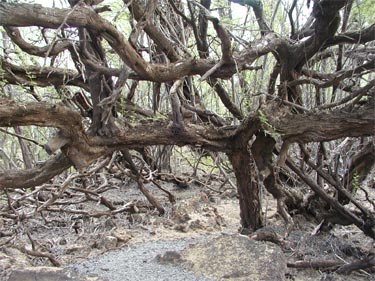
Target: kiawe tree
(320,88)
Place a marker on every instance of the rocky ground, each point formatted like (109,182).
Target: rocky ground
(197,239)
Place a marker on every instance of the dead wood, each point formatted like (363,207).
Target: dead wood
(316,264)
(365,263)
(334,265)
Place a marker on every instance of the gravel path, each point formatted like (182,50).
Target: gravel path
(137,262)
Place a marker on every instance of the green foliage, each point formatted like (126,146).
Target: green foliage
(3,197)
(363,12)
(267,126)
(160,117)
(355,183)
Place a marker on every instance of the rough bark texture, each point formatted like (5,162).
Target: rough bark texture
(248,189)
(360,166)
(36,176)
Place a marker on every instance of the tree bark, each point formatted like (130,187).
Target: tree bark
(262,149)
(248,189)
(360,167)
(36,176)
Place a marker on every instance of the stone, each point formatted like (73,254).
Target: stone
(11,258)
(181,217)
(109,242)
(235,257)
(5,262)
(136,218)
(63,241)
(168,223)
(109,224)
(121,235)
(17,258)
(44,273)
(169,257)
(197,224)
(182,227)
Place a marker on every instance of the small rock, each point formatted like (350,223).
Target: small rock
(18,258)
(181,217)
(109,242)
(109,224)
(183,227)
(44,273)
(136,218)
(234,257)
(168,223)
(169,257)
(5,262)
(63,241)
(197,224)
(121,235)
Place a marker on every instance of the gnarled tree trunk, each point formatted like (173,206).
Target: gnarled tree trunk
(248,189)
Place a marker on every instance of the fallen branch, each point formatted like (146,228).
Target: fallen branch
(318,264)
(365,263)
(367,227)
(52,259)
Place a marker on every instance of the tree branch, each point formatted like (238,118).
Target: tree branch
(12,179)
(50,50)
(161,41)
(360,37)
(40,76)
(84,16)
(320,126)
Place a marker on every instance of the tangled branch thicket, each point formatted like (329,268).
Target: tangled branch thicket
(93,93)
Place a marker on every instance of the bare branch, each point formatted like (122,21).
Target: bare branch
(257,6)
(40,114)
(359,37)
(163,43)
(50,50)
(40,76)
(84,16)
(224,97)
(21,137)
(12,179)
(322,126)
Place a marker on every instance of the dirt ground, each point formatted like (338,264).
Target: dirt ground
(199,210)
